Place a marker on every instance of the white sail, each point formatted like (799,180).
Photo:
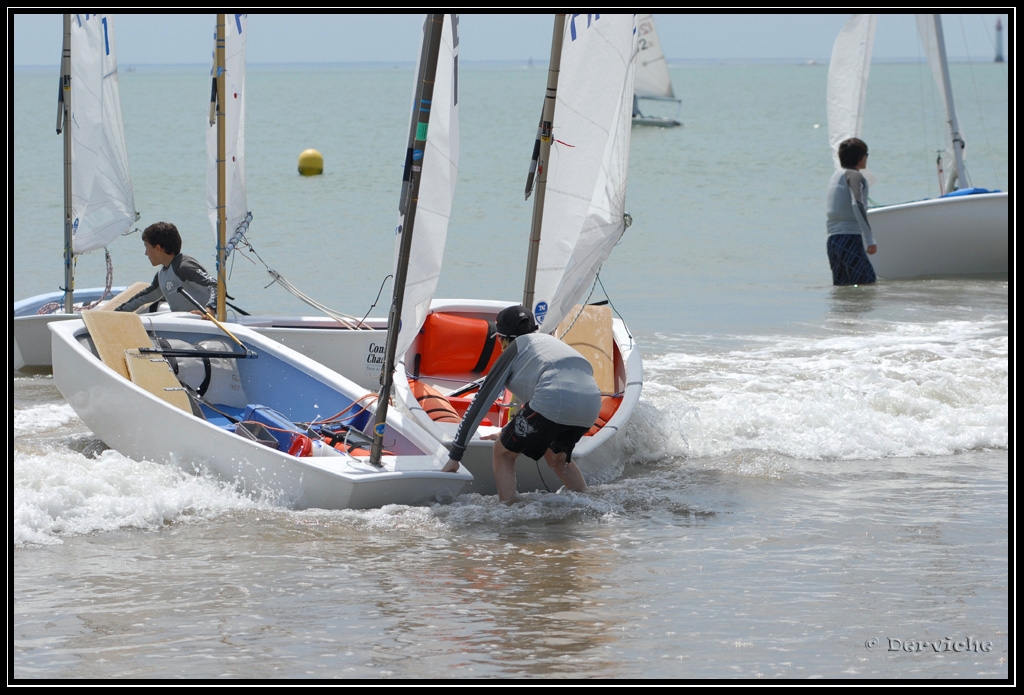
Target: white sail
(236,206)
(584,208)
(103,204)
(440,165)
(848,80)
(652,78)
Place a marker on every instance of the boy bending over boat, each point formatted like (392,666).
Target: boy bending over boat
(561,402)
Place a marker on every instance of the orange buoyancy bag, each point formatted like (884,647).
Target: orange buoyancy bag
(609,404)
(433,402)
(452,344)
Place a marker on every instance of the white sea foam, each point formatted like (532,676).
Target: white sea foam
(41,418)
(62,492)
(900,390)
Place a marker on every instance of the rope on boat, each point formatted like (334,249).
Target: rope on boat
(55,307)
(365,400)
(239,234)
(239,240)
(344,319)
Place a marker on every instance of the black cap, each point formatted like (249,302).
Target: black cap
(514,322)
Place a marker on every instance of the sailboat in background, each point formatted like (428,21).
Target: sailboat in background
(653,83)
(579,215)
(962,232)
(99,205)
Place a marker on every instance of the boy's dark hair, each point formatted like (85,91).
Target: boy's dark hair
(851,151)
(165,235)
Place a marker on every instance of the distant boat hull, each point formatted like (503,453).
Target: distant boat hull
(659,122)
(953,235)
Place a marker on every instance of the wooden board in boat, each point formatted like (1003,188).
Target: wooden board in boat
(591,335)
(152,373)
(112,333)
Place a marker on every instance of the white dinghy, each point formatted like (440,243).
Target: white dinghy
(244,408)
(270,418)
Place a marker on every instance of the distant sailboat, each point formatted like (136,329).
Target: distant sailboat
(653,83)
(962,232)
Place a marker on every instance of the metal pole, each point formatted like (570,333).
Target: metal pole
(410,194)
(546,122)
(958,177)
(222,220)
(64,119)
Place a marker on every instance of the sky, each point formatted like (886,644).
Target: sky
(176,39)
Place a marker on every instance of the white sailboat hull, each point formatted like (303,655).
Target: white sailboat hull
(657,122)
(955,235)
(138,424)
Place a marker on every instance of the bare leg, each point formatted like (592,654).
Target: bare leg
(568,472)
(504,463)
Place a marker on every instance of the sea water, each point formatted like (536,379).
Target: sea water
(816,479)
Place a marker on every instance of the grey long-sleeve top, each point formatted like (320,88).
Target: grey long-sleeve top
(556,380)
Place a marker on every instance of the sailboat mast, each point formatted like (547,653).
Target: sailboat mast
(64,123)
(422,101)
(222,221)
(546,121)
(956,178)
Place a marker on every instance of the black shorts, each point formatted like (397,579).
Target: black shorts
(533,434)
